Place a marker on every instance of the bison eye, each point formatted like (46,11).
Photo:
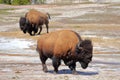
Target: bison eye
(90,58)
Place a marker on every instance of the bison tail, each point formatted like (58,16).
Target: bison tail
(48,15)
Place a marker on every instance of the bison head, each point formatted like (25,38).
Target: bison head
(84,52)
(23,24)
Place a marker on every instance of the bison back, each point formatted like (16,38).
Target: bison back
(33,16)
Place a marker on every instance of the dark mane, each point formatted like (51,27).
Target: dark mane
(86,41)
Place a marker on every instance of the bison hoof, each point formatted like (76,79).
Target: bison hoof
(38,34)
(45,70)
(32,34)
(55,72)
(75,73)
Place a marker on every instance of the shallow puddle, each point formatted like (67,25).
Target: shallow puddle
(14,45)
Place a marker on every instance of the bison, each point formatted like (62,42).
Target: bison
(64,45)
(34,20)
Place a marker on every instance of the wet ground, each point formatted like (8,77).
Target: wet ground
(98,22)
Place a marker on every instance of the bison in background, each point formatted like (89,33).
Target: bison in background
(64,45)
(33,21)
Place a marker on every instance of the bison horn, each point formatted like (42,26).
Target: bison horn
(81,48)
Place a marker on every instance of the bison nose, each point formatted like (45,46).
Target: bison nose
(84,65)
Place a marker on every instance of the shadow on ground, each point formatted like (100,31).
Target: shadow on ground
(67,71)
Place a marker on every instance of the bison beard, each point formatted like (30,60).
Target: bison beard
(25,26)
(64,45)
(22,23)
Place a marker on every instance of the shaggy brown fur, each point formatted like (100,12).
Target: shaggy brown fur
(55,40)
(65,45)
(36,19)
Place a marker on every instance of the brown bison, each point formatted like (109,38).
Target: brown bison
(64,45)
(33,20)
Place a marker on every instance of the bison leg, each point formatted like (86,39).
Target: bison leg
(43,60)
(35,29)
(72,66)
(56,63)
(40,29)
(30,32)
(30,29)
(68,62)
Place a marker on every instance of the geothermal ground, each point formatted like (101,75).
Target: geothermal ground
(98,22)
